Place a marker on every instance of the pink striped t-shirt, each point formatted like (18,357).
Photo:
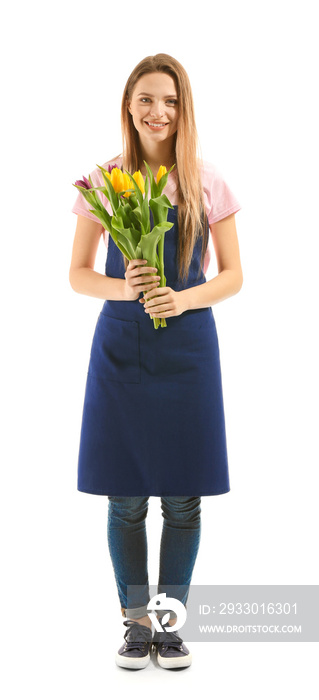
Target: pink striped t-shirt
(219,199)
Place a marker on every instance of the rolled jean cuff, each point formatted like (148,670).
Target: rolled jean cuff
(161,614)
(136,613)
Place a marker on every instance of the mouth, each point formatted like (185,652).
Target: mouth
(156,125)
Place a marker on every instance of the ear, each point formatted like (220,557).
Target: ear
(128,104)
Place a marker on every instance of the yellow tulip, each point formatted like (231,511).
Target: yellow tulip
(128,184)
(138,177)
(117,180)
(161,171)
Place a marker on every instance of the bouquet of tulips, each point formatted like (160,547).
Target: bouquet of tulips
(130,225)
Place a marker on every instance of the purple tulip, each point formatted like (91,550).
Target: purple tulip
(110,168)
(84,183)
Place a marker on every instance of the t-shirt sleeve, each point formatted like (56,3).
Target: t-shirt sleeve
(219,199)
(81,205)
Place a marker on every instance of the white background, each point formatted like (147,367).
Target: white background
(252,70)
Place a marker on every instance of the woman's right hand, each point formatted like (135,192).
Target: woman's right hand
(137,281)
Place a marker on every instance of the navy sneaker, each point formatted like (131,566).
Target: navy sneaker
(136,650)
(171,652)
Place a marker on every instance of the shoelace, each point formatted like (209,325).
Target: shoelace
(139,635)
(169,639)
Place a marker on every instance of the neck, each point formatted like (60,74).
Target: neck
(157,154)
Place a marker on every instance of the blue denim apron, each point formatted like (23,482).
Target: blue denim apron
(153,416)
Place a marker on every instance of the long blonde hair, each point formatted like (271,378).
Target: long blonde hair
(192,221)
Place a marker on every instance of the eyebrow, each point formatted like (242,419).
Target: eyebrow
(149,95)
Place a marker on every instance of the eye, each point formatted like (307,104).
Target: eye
(173,101)
(144,98)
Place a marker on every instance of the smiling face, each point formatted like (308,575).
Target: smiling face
(154,107)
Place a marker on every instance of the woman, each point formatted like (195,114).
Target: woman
(153,415)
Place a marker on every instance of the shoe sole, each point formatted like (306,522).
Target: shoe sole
(127,662)
(178,662)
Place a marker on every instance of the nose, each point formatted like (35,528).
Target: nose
(157,110)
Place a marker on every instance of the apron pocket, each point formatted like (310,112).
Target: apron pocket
(115,352)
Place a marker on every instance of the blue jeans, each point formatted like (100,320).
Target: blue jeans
(127,541)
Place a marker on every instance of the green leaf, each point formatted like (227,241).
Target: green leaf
(132,200)
(154,188)
(138,192)
(146,216)
(118,226)
(159,229)
(138,253)
(163,201)
(97,201)
(119,244)
(127,244)
(103,189)
(146,187)
(111,194)
(86,193)
(93,200)
(136,222)
(104,217)
(118,223)
(124,235)
(138,213)
(95,197)
(104,170)
(126,213)
(135,235)
(98,208)
(149,242)
(159,213)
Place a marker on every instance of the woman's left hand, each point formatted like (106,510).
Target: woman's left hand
(164,302)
